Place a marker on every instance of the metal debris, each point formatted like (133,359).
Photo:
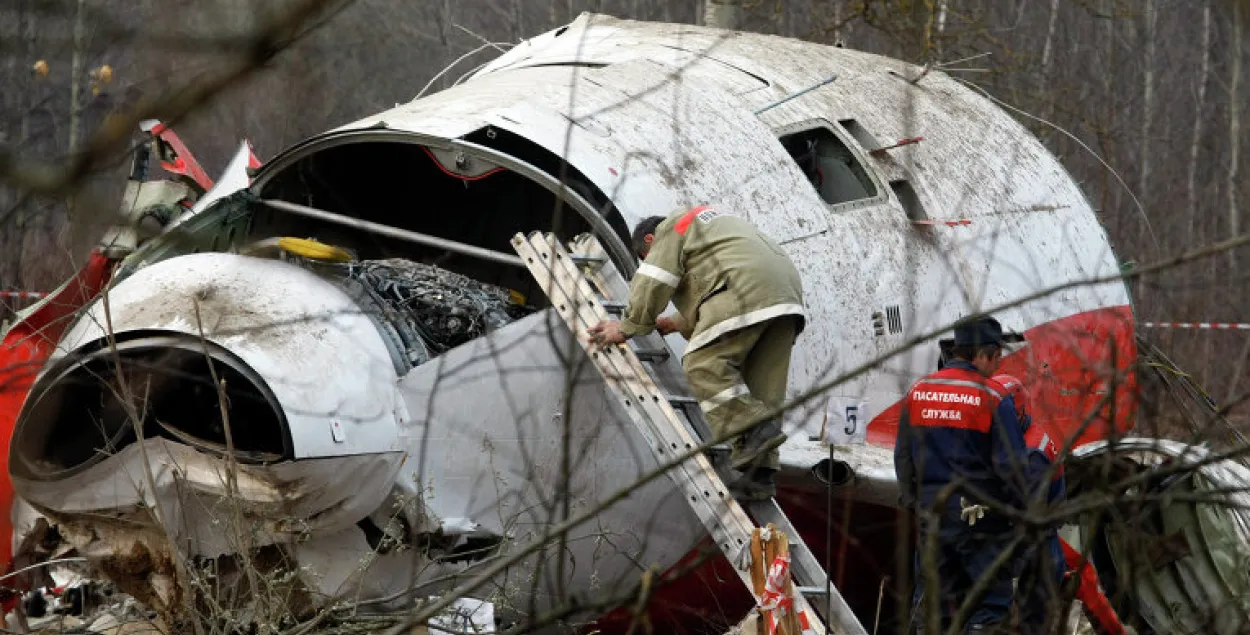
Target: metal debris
(442,308)
(465,615)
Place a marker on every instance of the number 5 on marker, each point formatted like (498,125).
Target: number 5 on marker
(842,423)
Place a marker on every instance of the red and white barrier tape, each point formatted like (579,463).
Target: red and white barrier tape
(32,295)
(775,603)
(1218,326)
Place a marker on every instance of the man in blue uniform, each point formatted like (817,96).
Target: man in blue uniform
(1049,561)
(960,458)
(1041,563)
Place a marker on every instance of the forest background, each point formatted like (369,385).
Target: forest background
(1142,100)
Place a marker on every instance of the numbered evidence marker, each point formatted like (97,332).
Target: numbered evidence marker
(846,422)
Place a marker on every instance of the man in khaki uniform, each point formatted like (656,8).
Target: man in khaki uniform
(740,307)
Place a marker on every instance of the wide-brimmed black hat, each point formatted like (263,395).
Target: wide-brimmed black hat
(982,332)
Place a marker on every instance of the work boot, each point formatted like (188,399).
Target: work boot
(756,484)
(756,443)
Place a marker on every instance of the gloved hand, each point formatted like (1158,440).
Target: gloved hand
(969,512)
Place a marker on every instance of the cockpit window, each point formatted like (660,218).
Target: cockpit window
(830,165)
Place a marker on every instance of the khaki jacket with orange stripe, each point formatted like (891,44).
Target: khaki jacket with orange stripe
(720,272)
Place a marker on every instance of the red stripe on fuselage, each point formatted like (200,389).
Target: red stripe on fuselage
(1068,370)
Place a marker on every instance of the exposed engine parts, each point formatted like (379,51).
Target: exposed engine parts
(431,309)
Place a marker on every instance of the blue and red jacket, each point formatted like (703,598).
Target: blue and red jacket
(958,425)
(1043,451)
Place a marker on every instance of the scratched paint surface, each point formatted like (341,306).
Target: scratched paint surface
(1032,227)
(662,117)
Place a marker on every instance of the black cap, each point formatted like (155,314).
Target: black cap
(980,332)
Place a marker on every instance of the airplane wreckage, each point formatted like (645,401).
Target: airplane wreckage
(397,415)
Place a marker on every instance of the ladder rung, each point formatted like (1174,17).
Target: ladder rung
(593,262)
(812,590)
(682,400)
(652,354)
(689,406)
(612,306)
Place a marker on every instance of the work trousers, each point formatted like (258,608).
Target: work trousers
(1038,588)
(965,555)
(741,377)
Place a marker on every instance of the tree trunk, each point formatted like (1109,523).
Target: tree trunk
(934,25)
(837,16)
(1148,101)
(1045,78)
(1108,97)
(1234,129)
(1149,15)
(1199,110)
(75,108)
(722,14)
(1050,36)
(12,234)
(75,75)
(518,15)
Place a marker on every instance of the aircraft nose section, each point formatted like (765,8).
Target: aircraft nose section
(160,384)
(302,362)
(207,357)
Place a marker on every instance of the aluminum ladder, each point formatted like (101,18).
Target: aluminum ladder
(585,287)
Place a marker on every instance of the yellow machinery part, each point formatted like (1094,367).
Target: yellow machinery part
(313,250)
